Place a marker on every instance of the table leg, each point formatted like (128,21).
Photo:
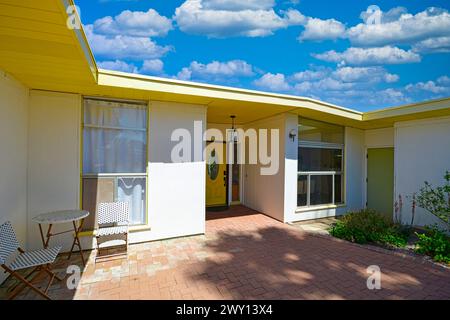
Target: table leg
(76,240)
(49,235)
(42,235)
(46,239)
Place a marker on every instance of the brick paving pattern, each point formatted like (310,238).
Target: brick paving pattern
(247,255)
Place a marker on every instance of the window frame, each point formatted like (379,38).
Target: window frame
(333,174)
(116,176)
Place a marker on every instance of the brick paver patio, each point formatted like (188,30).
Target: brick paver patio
(247,255)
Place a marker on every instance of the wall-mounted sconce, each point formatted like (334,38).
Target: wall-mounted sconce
(293,134)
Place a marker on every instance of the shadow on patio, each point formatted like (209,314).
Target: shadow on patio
(248,255)
(276,261)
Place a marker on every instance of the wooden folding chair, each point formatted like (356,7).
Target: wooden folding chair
(113,219)
(13,259)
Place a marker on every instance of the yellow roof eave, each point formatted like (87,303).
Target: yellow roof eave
(80,37)
(426,106)
(171,86)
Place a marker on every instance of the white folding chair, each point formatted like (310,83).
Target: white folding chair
(13,259)
(113,220)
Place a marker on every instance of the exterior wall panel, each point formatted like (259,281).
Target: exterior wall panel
(265,193)
(422,153)
(13,156)
(53,160)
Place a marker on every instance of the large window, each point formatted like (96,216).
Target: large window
(320,163)
(115,156)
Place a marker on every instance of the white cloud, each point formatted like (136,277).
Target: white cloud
(216,70)
(385,17)
(294,17)
(439,44)
(369,56)
(388,96)
(134,23)
(118,65)
(399,27)
(347,86)
(327,82)
(272,82)
(430,86)
(304,87)
(362,88)
(232,19)
(354,96)
(368,74)
(317,29)
(332,84)
(309,75)
(444,80)
(238,5)
(123,47)
(154,66)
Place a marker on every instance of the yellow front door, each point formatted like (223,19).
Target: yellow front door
(216,179)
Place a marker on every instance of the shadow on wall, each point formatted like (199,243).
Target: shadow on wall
(275,263)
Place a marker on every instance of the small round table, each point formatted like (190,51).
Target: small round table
(58,217)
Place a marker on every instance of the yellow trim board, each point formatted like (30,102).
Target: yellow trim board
(170,86)
(425,106)
(81,38)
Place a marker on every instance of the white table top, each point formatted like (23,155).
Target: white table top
(61,216)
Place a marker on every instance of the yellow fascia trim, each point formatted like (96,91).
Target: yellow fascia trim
(170,86)
(409,109)
(81,38)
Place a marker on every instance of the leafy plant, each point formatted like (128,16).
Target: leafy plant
(436,200)
(367,226)
(434,243)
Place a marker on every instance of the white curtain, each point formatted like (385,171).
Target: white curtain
(132,190)
(114,137)
(115,142)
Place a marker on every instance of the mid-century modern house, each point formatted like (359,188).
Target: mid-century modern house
(73,135)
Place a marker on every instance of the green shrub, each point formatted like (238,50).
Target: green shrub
(367,226)
(436,200)
(435,244)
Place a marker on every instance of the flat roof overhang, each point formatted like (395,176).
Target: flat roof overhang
(39,50)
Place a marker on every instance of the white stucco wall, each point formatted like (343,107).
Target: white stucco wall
(379,138)
(176,194)
(422,153)
(53,159)
(265,193)
(354,168)
(176,191)
(290,168)
(13,155)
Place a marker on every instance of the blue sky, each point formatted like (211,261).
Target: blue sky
(360,54)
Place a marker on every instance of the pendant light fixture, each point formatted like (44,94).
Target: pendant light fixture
(233,129)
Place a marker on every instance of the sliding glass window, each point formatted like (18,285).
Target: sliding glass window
(320,163)
(115,156)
